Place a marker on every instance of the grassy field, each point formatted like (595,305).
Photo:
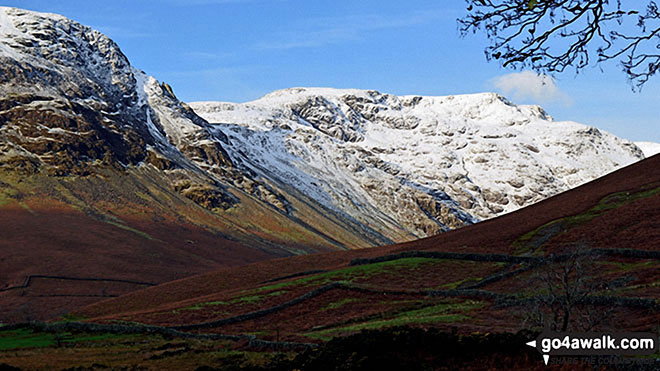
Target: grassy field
(30,350)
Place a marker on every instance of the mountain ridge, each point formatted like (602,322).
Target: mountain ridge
(448,158)
(649,148)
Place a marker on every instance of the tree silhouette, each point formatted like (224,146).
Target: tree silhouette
(566,286)
(550,36)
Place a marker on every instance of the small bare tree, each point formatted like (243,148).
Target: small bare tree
(567,284)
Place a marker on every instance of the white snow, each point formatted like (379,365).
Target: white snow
(649,148)
(7,32)
(461,147)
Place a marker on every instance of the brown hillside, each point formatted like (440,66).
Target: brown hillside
(620,211)
(69,242)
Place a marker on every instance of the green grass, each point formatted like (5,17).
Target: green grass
(8,194)
(438,313)
(199,306)
(26,207)
(126,322)
(621,290)
(25,338)
(351,274)
(255,298)
(70,317)
(523,244)
(454,285)
(39,350)
(340,303)
(20,339)
(140,233)
(610,202)
(626,267)
(237,300)
(399,267)
(96,337)
(247,299)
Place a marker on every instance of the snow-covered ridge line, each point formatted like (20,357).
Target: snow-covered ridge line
(65,75)
(428,163)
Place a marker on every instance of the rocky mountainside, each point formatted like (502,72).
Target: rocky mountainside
(350,168)
(73,104)
(74,110)
(413,166)
(108,182)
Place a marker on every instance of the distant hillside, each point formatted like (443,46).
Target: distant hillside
(412,166)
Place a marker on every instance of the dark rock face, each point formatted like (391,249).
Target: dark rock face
(71,104)
(208,196)
(68,138)
(329,119)
(69,98)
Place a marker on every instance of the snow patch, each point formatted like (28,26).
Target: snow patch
(649,148)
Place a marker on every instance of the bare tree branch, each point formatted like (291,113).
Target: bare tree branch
(566,286)
(549,36)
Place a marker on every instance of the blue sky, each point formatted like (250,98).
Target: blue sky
(239,50)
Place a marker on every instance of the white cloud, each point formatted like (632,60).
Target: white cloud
(528,85)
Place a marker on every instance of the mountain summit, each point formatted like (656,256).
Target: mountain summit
(413,165)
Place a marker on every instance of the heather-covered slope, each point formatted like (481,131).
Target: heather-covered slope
(96,230)
(486,277)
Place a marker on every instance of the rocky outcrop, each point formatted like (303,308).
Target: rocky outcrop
(72,105)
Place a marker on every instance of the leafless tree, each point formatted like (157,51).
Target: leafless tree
(565,286)
(550,36)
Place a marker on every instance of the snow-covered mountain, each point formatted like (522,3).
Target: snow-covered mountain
(413,163)
(344,167)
